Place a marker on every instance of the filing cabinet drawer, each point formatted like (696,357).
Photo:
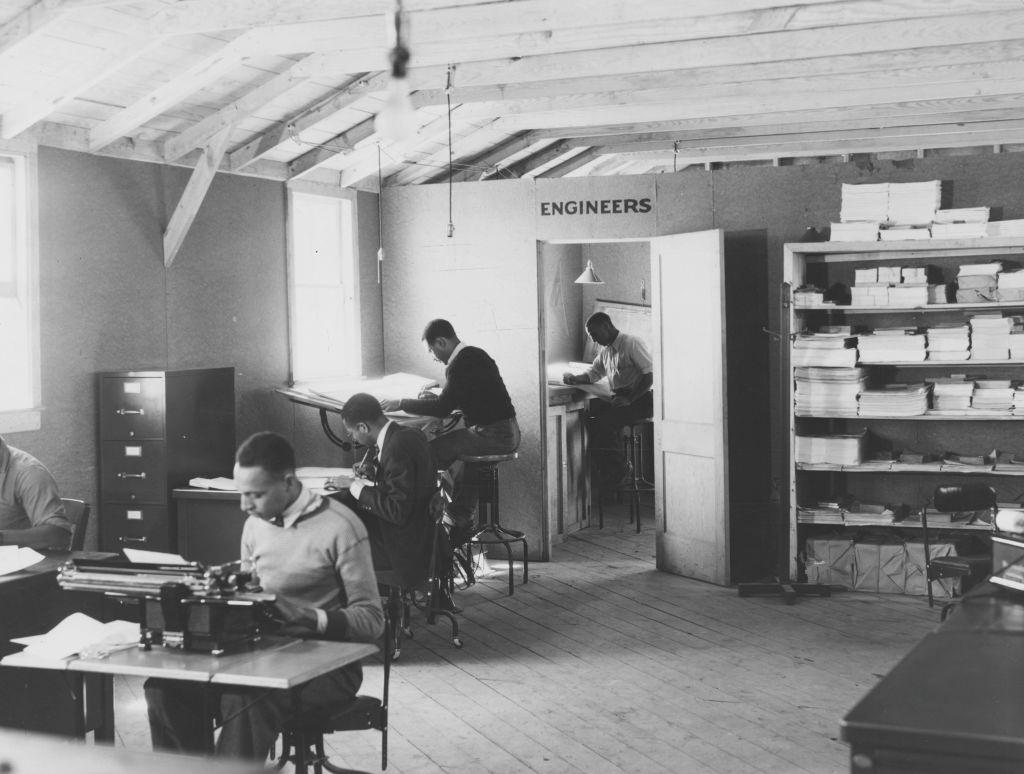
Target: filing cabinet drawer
(133,471)
(131,407)
(134,526)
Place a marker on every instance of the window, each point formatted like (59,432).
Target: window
(19,313)
(325,331)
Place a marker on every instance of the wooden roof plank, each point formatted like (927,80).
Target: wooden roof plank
(340,143)
(160,99)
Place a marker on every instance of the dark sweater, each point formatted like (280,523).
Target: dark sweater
(473,385)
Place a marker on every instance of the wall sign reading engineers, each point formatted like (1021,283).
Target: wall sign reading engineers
(596,207)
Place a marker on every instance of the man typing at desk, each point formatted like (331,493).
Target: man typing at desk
(31,511)
(314,555)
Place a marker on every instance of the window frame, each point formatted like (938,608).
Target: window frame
(25,153)
(309,188)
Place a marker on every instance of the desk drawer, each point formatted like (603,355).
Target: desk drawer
(135,526)
(134,470)
(131,407)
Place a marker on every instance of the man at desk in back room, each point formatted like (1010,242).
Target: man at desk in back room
(31,511)
(627,363)
(393,491)
(314,555)
(474,386)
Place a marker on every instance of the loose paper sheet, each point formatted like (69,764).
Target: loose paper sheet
(17,558)
(138,556)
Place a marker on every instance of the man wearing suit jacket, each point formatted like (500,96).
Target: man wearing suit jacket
(392,489)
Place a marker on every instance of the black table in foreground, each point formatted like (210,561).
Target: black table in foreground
(955,703)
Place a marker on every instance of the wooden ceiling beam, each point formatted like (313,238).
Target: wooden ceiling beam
(473,167)
(207,70)
(200,132)
(562,169)
(828,147)
(340,143)
(686,43)
(539,159)
(42,16)
(800,135)
(361,164)
(17,120)
(192,197)
(283,131)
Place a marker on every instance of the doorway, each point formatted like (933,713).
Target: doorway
(706,297)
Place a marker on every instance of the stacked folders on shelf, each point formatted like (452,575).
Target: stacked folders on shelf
(828,391)
(830,346)
(895,400)
(949,342)
(830,449)
(892,345)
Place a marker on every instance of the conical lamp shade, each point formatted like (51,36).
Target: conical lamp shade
(589,276)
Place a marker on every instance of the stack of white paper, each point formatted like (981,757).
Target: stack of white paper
(855,231)
(810,296)
(1018,401)
(962,215)
(937,294)
(1006,228)
(914,204)
(993,396)
(959,230)
(895,400)
(892,346)
(80,634)
(949,342)
(908,295)
(866,202)
(825,349)
(904,233)
(870,294)
(952,395)
(830,449)
(828,391)
(990,337)
(393,386)
(1010,286)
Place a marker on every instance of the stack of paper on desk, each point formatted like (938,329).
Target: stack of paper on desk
(78,633)
(15,559)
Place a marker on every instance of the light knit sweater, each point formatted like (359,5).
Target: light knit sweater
(321,560)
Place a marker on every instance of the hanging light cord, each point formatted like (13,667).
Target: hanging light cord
(448,96)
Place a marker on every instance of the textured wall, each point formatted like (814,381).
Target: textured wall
(107,302)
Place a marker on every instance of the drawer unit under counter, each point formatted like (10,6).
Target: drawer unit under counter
(133,471)
(143,525)
(132,407)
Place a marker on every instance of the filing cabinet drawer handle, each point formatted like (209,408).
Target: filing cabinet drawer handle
(125,412)
(132,475)
(125,539)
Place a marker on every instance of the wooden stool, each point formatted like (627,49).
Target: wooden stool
(635,484)
(491,532)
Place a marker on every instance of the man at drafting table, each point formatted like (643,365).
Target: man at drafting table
(627,363)
(31,511)
(474,386)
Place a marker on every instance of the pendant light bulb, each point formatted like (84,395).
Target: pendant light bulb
(397,119)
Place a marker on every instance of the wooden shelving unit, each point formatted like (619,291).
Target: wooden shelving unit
(826,263)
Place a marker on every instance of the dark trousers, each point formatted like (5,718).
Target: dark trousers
(497,438)
(181,713)
(604,425)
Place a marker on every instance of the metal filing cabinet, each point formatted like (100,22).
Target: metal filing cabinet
(158,429)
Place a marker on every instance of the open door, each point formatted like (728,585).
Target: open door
(692,485)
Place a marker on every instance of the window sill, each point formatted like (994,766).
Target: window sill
(22,421)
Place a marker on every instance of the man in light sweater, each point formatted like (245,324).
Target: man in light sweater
(313,553)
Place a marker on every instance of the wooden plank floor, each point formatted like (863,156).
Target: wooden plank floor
(601,664)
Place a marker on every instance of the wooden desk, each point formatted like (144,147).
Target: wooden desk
(954,703)
(22,753)
(40,700)
(274,662)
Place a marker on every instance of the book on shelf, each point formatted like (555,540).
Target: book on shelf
(962,215)
(953,462)
(1010,462)
(917,462)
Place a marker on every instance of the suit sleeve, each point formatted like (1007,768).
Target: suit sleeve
(393,498)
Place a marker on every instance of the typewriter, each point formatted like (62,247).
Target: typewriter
(216,609)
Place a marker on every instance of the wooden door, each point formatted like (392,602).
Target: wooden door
(692,486)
